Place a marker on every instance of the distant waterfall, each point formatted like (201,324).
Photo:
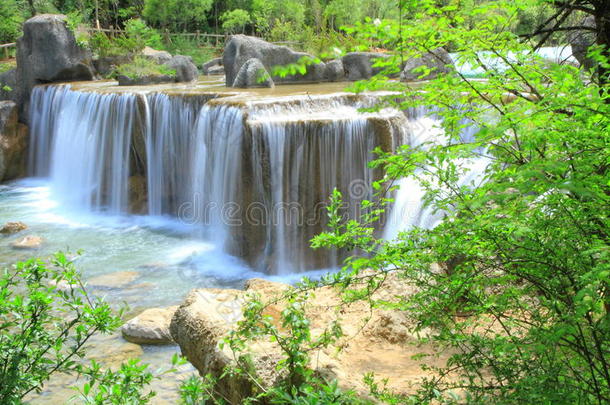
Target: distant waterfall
(82,141)
(409,210)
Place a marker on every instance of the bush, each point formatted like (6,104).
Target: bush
(46,317)
(142,67)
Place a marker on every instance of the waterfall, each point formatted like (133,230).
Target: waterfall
(305,156)
(252,176)
(409,209)
(81,141)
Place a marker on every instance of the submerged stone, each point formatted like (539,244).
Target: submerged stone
(118,279)
(150,327)
(28,242)
(13,227)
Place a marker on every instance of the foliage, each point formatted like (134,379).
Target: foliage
(176,15)
(76,24)
(235,20)
(141,35)
(43,327)
(190,47)
(292,334)
(11,17)
(142,67)
(122,387)
(521,296)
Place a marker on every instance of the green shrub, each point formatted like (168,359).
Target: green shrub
(141,67)
(43,328)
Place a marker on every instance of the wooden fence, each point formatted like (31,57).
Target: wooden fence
(6,48)
(202,39)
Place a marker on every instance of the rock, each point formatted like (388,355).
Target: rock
(8,85)
(144,80)
(105,65)
(13,142)
(581,40)
(241,48)
(119,279)
(186,71)
(13,227)
(216,70)
(253,74)
(211,64)
(359,65)
(159,57)
(28,242)
(374,339)
(48,52)
(438,61)
(151,327)
(334,71)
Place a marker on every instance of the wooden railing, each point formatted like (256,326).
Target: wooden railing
(209,40)
(7,49)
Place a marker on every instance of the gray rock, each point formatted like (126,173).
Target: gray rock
(334,71)
(186,71)
(13,142)
(216,70)
(144,80)
(241,48)
(211,64)
(580,41)
(359,65)
(8,79)
(438,61)
(253,74)
(159,57)
(48,52)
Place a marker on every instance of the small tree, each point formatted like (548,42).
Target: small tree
(46,317)
(235,21)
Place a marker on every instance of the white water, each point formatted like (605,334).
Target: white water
(409,209)
(81,141)
(251,179)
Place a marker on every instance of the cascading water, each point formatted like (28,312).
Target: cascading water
(409,209)
(308,156)
(234,170)
(82,142)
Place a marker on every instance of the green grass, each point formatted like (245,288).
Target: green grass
(5,66)
(142,67)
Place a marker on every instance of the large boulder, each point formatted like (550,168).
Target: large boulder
(241,48)
(334,71)
(374,339)
(253,74)
(48,52)
(581,40)
(13,142)
(186,71)
(359,65)
(437,61)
